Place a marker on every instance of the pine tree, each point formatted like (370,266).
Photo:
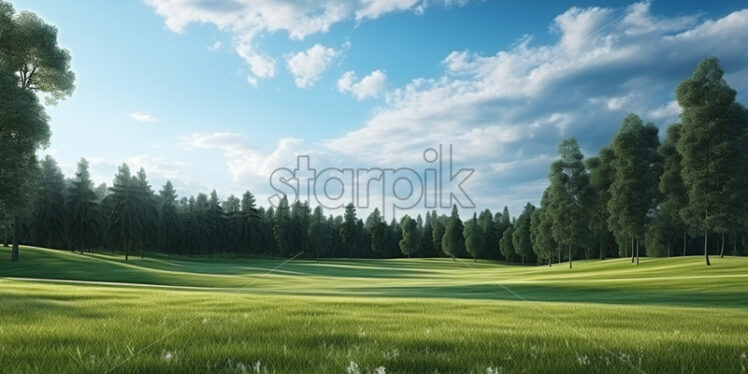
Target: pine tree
(570,195)
(521,234)
(506,245)
(711,143)
(348,230)
(409,243)
(633,191)
(453,243)
(49,206)
(82,209)
(474,239)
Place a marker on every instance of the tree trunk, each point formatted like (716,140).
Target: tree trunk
(14,251)
(637,251)
(559,254)
(633,255)
(668,247)
(550,261)
(684,241)
(706,252)
(722,250)
(6,243)
(570,256)
(734,246)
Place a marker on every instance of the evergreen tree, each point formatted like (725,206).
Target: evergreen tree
(426,241)
(602,173)
(168,219)
(409,242)
(632,193)
(711,143)
(375,226)
(49,207)
(521,234)
(673,194)
(281,228)
(437,233)
(453,243)
(571,195)
(506,245)
(490,234)
(541,234)
(83,209)
(474,239)
(348,229)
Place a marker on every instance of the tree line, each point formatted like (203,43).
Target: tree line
(637,196)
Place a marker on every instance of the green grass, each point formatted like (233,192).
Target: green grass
(408,315)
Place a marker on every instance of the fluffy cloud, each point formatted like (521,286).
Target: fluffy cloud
(369,86)
(246,20)
(306,66)
(244,160)
(142,117)
(505,113)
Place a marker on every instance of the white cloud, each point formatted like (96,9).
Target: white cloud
(243,160)
(142,117)
(501,111)
(369,86)
(307,66)
(248,20)
(160,167)
(215,46)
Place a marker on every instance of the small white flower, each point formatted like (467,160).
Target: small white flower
(353,368)
(380,370)
(583,360)
(168,356)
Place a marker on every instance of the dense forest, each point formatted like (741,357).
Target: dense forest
(638,196)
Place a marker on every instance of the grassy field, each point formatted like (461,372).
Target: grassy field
(65,312)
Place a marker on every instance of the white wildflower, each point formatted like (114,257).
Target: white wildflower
(353,368)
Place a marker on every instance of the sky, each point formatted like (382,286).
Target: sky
(219,94)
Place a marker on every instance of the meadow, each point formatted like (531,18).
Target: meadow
(94,313)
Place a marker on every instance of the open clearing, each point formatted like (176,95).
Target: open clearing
(405,315)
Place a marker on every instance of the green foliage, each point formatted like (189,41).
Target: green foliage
(541,235)
(83,210)
(506,245)
(712,146)
(521,234)
(409,242)
(474,238)
(453,243)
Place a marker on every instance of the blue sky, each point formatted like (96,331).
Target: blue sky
(217,94)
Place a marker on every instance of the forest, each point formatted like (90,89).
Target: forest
(639,196)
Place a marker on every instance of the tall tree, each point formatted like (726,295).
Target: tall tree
(168,223)
(521,235)
(49,206)
(453,243)
(82,208)
(712,145)
(673,194)
(409,242)
(282,227)
(633,191)
(490,234)
(571,194)
(31,62)
(375,226)
(506,245)
(348,229)
(541,236)
(602,173)
(474,239)
(437,233)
